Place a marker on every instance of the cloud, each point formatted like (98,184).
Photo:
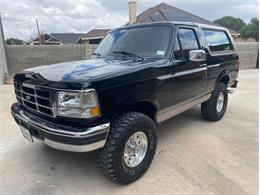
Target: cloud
(56,16)
(82,15)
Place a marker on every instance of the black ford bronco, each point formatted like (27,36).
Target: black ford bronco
(138,77)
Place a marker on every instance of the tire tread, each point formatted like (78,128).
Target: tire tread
(106,154)
(208,108)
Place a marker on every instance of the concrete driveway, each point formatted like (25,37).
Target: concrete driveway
(194,156)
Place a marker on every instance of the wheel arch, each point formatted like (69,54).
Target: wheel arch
(146,107)
(224,78)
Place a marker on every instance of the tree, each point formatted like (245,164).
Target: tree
(230,22)
(251,30)
(14,41)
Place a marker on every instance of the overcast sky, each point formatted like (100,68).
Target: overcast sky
(19,16)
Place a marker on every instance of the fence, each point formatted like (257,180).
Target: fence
(25,56)
(247,54)
(22,57)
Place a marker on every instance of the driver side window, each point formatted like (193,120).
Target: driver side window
(184,42)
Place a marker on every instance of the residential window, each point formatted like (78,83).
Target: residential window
(217,40)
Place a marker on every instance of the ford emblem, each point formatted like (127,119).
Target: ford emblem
(27,97)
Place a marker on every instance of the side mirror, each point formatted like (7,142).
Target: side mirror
(197,55)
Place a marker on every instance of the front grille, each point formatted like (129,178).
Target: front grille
(35,98)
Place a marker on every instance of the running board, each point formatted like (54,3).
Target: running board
(172,111)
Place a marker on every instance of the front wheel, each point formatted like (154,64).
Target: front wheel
(129,149)
(215,108)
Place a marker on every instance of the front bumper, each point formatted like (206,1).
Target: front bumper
(68,138)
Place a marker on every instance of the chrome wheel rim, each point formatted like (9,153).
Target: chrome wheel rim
(135,149)
(220,102)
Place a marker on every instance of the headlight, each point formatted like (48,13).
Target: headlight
(82,104)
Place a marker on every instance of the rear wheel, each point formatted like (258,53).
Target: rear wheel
(215,108)
(129,149)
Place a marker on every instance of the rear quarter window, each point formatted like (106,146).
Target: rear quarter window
(218,41)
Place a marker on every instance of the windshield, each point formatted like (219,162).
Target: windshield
(145,42)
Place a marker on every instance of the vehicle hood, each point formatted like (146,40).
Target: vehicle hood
(87,70)
(78,70)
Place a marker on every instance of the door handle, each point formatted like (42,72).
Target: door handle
(202,65)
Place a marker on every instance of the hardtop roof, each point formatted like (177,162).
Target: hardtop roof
(173,23)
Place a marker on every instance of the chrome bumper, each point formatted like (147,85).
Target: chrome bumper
(89,139)
(75,148)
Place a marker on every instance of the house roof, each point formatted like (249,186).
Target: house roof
(68,38)
(95,33)
(165,12)
(46,37)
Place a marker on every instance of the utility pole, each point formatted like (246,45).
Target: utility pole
(38,29)
(41,36)
(3,61)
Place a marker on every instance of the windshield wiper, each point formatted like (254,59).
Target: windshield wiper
(128,54)
(96,54)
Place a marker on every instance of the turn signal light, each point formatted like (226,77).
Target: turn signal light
(94,111)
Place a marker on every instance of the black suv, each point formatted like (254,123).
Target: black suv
(138,77)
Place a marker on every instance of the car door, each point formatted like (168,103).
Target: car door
(189,77)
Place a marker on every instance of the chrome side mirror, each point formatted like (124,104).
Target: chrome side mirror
(197,55)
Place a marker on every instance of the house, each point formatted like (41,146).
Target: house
(93,37)
(234,34)
(56,39)
(67,38)
(165,12)
(161,12)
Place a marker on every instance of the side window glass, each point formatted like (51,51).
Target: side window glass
(217,40)
(177,49)
(188,41)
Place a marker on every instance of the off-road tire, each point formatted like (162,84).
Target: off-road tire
(208,108)
(110,157)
